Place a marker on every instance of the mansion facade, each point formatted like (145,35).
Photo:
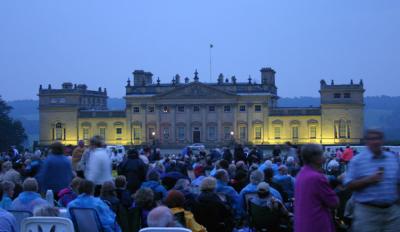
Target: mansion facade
(187,111)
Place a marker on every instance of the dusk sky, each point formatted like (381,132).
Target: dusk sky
(100,43)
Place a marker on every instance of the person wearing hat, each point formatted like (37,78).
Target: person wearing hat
(198,172)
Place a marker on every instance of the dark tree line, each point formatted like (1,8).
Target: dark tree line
(11,131)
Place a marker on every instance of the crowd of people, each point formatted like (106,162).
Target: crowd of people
(295,188)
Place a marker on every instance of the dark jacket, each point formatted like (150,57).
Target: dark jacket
(134,170)
(55,173)
(212,213)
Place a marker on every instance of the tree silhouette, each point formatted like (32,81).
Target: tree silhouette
(11,131)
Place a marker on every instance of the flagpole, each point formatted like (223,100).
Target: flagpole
(211,46)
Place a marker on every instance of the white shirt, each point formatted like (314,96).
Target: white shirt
(99,167)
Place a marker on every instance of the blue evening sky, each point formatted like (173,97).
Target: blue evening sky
(101,42)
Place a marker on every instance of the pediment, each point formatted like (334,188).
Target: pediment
(195,91)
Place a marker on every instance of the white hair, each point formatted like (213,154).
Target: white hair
(160,216)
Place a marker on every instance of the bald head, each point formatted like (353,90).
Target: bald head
(160,216)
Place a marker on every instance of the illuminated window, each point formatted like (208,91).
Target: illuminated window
(59,131)
(196,108)
(102,132)
(277,132)
(181,109)
(242,133)
(342,129)
(118,131)
(313,132)
(295,132)
(151,132)
(136,133)
(242,108)
(212,132)
(181,133)
(136,109)
(227,108)
(258,132)
(86,133)
(257,108)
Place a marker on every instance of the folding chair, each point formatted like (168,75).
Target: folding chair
(20,215)
(47,224)
(85,219)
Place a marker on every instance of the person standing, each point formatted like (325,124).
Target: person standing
(374,176)
(134,169)
(56,171)
(314,197)
(77,156)
(99,166)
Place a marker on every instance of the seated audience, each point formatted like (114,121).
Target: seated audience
(123,194)
(161,217)
(29,198)
(199,175)
(144,200)
(232,196)
(175,201)
(10,174)
(284,180)
(210,211)
(256,177)
(8,223)
(87,200)
(69,194)
(46,211)
(183,185)
(108,195)
(7,188)
(264,198)
(154,183)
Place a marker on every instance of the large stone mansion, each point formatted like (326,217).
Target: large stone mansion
(189,111)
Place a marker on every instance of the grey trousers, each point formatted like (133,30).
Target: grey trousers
(372,219)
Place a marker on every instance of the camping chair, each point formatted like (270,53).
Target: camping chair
(85,219)
(180,218)
(47,224)
(164,229)
(263,218)
(246,199)
(20,215)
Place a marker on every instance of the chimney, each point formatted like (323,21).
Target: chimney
(267,76)
(138,77)
(177,79)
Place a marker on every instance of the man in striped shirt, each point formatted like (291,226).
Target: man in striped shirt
(374,178)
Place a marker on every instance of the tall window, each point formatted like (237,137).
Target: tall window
(136,109)
(277,133)
(242,108)
(165,109)
(212,133)
(227,133)
(313,132)
(342,129)
(59,131)
(258,132)
(257,108)
(242,133)
(337,95)
(102,132)
(151,109)
(196,108)
(136,133)
(85,133)
(211,108)
(118,133)
(295,132)
(181,133)
(166,132)
(347,95)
